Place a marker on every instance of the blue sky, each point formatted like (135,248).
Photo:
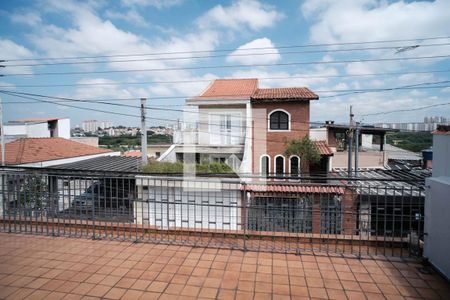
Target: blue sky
(52,28)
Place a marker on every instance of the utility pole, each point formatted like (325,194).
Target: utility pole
(143,133)
(2,133)
(350,142)
(356,148)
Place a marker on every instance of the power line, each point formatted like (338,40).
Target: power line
(406,110)
(345,92)
(155,108)
(65,99)
(138,116)
(228,50)
(228,66)
(209,80)
(406,87)
(215,56)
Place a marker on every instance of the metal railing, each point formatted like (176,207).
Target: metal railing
(357,217)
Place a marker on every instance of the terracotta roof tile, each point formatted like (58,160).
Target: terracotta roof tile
(293,188)
(442,130)
(38,119)
(292,93)
(323,148)
(29,150)
(230,88)
(136,153)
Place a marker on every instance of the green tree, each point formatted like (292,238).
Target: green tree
(33,193)
(305,149)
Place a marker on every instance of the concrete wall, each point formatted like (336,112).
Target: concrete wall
(87,140)
(437,223)
(441,155)
(190,204)
(38,130)
(15,129)
(372,159)
(318,134)
(152,149)
(63,128)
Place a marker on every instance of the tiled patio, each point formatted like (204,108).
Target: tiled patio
(37,267)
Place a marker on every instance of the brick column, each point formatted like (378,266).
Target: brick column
(349,211)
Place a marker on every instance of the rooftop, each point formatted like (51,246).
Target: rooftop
(230,88)
(247,88)
(292,93)
(30,150)
(442,130)
(104,163)
(34,120)
(323,148)
(39,267)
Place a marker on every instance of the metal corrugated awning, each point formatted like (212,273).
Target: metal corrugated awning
(104,163)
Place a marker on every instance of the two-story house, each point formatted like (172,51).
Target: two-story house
(236,122)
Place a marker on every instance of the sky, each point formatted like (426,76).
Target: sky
(190,43)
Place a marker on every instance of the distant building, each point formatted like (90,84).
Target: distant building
(428,124)
(372,152)
(37,128)
(94,125)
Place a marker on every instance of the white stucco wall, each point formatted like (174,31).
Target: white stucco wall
(38,130)
(15,129)
(318,134)
(190,204)
(441,155)
(63,128)
(437,223)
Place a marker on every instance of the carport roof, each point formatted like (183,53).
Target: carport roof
(104,163)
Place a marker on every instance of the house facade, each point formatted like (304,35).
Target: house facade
(236,122)
(37,128)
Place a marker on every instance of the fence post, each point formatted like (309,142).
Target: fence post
(245,206)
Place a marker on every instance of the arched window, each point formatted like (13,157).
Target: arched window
(265,165)
(279,120)
(279,165)
(294,166)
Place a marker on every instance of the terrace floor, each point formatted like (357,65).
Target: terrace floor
(40,267)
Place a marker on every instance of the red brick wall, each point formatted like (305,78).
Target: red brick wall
(272,143)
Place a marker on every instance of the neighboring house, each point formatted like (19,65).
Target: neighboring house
(246,127)
(37,128)
(373,153)
(45,152)
(155,150)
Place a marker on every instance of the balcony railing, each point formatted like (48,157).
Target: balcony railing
(347,217)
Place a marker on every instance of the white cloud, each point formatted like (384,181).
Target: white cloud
(248,55)
(131,16)
(11,50)
(159,4)
(90,35)
(304,78)
(348,20)
(240,14)
(99,91)
(27,18)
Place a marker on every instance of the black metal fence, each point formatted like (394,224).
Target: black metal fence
(361,217)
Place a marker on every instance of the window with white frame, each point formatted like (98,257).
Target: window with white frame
(294,166)
(279,120)
(279,165)
(265,165)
